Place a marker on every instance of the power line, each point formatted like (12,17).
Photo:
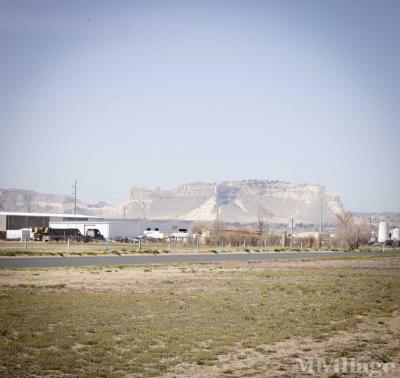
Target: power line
(320,214)
(217,202)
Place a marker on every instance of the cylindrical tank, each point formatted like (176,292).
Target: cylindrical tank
(396,234)
(383,232)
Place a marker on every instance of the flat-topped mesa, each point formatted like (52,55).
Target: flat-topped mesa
(237,201)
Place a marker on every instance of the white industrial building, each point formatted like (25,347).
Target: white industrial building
(12,224)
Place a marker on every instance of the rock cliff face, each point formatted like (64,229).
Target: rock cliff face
(236,201)
(30,201)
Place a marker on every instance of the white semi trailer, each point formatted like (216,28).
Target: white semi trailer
(110,229)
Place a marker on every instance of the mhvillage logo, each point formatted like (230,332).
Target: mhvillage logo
(343,365)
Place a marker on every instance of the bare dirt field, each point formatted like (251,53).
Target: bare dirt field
(231,319)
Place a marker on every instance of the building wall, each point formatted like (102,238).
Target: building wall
(16,222)
(166,226)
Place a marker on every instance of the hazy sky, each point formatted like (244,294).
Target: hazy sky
(159,93)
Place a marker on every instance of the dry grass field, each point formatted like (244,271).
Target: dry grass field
(16,248)
(231,319)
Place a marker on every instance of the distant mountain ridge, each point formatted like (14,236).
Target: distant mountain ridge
(22,200)
(236,201)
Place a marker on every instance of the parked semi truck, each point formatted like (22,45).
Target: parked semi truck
(53,234)
(56,234)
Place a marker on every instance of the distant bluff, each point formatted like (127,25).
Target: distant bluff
(237,201)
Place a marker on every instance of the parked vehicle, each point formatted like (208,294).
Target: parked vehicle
(56,234)
(93,234)
(122,239)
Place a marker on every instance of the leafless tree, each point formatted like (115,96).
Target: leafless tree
(349,233)
(309,241)
(198,228)
(216,231)
(217,227)
(261,224)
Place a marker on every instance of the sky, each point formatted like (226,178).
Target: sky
(162,93)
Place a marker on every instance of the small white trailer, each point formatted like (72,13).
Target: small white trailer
(19,234)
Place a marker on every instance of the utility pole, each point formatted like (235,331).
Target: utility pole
(217,200)
(124,212)
(370,227)
(291,238)
(74,194)
(320,215)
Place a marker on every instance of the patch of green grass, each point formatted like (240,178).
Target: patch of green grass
(2,295)
(11,253)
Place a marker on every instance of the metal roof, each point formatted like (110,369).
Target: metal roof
(49,215)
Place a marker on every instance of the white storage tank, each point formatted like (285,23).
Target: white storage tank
(396,234)
(383,232)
